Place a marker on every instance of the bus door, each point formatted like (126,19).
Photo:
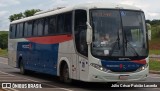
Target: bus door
(81,44)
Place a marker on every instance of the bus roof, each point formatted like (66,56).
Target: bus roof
(84,6)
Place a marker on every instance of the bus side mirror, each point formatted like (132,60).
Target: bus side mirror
(89,33)
(149,30)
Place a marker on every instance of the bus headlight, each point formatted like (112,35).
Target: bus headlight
(99,67)
(143,67)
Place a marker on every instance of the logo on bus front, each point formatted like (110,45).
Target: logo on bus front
(121,66)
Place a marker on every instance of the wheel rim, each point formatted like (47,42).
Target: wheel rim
(66,74)
(21,68)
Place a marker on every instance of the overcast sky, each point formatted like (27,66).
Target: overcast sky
(9,7)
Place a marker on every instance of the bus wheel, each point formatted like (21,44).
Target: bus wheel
(22,69)
(65,74)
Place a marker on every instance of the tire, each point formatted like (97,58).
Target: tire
(65,74)
(22,69)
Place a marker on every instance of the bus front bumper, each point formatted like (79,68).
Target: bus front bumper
(100,76)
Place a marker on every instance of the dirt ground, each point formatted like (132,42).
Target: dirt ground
(154,44)
(2,89)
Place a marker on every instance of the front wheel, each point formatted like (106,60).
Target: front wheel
(65,74)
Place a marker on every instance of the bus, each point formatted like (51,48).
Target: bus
(91,42)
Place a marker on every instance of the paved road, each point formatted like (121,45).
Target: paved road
(10,74)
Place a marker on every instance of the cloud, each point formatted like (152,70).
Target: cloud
(128,2)
(3,13)
(5,3)
(153,15)
(4,20)
(2,5)
(8,7)
(60,3)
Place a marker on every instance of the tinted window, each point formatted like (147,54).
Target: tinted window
(29,30)
(40,27)
(25,29)
(68,23)
(12,31)
(52,25)
(80,32)
(60,23)
(21,30)
(35,28)
(17,30)
(46,27)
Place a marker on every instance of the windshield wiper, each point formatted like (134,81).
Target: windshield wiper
(117,41)
(127,42)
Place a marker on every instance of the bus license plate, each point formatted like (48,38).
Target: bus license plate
(123,77)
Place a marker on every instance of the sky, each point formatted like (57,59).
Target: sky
(9,7)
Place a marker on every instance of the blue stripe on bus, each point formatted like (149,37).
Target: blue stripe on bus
(39,57)
(121,66)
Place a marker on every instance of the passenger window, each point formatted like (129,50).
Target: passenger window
(40,27)
(52,25)
(29,30)
(61,23)
(68,23)
(18,30)
(12,31)
(26,29)
(46,27)
(35,27)
(21,30)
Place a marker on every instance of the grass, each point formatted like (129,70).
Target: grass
(3,53)
(155,52)
(154,65)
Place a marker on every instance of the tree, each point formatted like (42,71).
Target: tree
(3,40)
(16,17)
(27,13)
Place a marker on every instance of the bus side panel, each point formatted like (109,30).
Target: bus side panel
(39,57)
(83,68)
(67,53)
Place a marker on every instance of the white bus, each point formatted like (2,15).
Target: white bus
(92,42)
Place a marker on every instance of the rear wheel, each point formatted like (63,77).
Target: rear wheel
(65,74)
(22,69)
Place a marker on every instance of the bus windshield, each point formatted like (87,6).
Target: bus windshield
(119,33)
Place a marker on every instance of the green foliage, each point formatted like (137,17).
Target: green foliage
(155,31)
(27,13)
(3,39)
(154,52)
(154,64)
(153,22)
(16,17)
(155,27)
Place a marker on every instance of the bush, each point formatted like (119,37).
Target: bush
(155,31)
(3,40)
